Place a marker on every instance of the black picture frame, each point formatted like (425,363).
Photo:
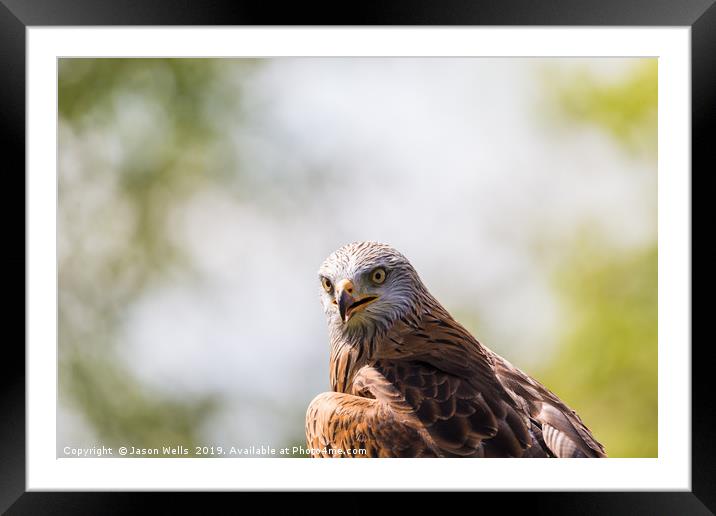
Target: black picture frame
(17,15)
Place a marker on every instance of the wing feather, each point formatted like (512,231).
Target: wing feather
(563,432)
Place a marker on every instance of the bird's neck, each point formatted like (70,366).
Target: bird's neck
(352,350)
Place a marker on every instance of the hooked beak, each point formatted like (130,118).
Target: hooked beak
(347,303)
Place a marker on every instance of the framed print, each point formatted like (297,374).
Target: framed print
(443,239)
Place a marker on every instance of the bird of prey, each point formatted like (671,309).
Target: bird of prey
(408,380)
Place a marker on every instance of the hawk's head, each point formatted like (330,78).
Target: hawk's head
(367,286)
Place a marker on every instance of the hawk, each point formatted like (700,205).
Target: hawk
(408,380)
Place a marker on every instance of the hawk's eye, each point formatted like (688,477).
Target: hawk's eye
(378,275)
(327,285)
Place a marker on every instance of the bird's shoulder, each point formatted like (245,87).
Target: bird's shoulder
(434,337)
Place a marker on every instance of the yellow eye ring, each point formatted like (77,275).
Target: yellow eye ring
(378,275)
(327,285)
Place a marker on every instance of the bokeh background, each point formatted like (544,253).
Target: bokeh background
(197,199)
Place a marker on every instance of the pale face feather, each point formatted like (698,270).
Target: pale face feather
(398,294)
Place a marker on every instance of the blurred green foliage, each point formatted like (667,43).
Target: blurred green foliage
(122,411)
(605,365)
(166,154)
(626,109)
